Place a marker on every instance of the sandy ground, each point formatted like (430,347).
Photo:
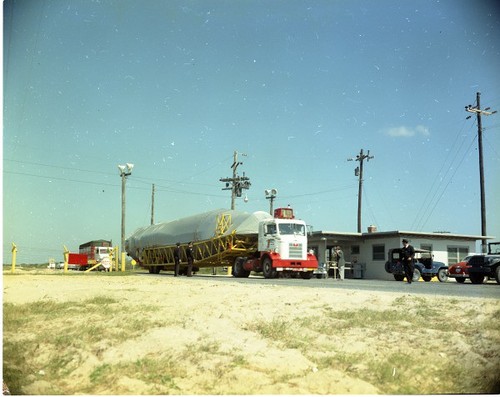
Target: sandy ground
(191,314)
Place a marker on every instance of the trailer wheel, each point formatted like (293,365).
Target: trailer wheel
(268,269)
(238,270)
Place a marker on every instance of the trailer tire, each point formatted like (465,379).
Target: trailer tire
(238,270)
(268,269)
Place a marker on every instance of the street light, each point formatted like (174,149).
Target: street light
(125,170)
(271,195)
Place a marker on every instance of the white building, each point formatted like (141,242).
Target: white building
(371,249)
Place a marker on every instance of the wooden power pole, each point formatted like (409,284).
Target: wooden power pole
(359,173)
(477,109)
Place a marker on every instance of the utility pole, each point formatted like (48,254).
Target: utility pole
(359,172)
(237,183)
(153,205)
(271,195)
(125,171)
(477,109)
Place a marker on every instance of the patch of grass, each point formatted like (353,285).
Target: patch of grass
(339,361)
(288,333)
(50,336)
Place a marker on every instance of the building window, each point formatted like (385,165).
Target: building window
(354,249)
(427,247)
(456,254)
(378,252)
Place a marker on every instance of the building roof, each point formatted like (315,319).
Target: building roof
(398,233)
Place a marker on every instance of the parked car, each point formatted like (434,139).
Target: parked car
(425,266)
(460,271)
(482,266)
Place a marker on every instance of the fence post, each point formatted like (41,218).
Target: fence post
(14,255)
(66,258)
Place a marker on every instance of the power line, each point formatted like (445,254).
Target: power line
(427,202)
(446,186)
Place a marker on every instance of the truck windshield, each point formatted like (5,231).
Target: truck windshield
(292,228)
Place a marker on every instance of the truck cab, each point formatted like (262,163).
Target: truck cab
(286,237)
(281,248)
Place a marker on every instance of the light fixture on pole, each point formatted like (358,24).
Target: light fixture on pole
(125,170)
(271,195)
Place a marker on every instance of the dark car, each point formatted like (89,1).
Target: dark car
(481,266)
(425,266)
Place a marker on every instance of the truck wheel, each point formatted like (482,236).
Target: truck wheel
(399,277)
(460,280)
(238,270)
(442,276)
(268,269)
(306,275)
(476,278)
(416,275)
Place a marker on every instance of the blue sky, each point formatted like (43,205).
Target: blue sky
(176,87)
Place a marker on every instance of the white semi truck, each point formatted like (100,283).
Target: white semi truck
(274,245)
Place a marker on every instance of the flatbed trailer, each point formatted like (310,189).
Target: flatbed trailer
(218,251)
(276,245)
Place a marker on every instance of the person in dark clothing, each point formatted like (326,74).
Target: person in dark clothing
(190,259)
(177,258)
(408,256)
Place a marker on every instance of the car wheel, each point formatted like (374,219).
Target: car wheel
(497,274)
(460,280)
(416,275)
(399,277)
(442,276)
(476,278)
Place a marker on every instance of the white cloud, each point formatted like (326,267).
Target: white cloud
(406,132)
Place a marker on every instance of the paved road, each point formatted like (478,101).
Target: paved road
(450,288)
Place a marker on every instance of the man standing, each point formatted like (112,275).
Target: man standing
(190,258)
(340,262)
(408,255)
(177,258)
